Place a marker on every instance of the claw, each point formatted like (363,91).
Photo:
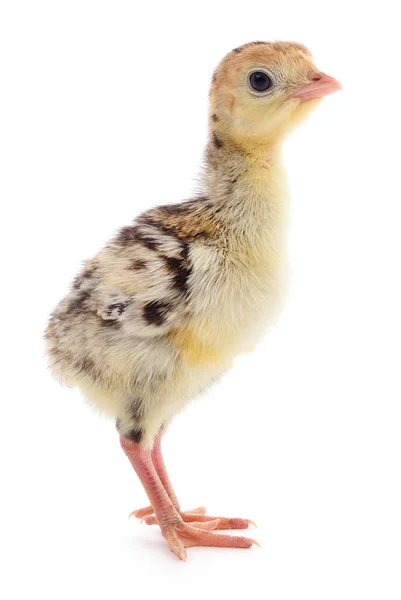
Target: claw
(252,523)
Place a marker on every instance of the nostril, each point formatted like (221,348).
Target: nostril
(315,76)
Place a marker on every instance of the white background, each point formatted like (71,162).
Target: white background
(104,114)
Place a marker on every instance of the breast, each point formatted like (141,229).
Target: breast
(232,301)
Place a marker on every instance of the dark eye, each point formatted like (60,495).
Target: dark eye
(260,81)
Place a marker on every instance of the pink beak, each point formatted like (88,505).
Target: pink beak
(320,85)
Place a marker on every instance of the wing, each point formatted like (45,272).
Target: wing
(138,283)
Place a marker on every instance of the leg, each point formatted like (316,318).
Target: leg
(196,515)
(158,462)
(179,535)
(160,467)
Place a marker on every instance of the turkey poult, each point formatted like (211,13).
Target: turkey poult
(160,313)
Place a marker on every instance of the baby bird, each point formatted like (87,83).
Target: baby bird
(159,314)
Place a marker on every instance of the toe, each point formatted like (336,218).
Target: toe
(235,523)
(201,510)
(141,512)
(152,520)
(192,536)
(224,523)
(175,544)
(206,525)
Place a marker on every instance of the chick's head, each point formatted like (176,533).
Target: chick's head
(262,90)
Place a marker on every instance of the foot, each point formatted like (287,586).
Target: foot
(195,517)
(180,535)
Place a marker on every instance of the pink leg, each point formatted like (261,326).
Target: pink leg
(160,467)
(178,534)
(196,515)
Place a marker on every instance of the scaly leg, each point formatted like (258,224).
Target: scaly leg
(196,515)
(160,467)
(179,534)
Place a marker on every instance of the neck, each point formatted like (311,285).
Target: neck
(230,163)
(244,181)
